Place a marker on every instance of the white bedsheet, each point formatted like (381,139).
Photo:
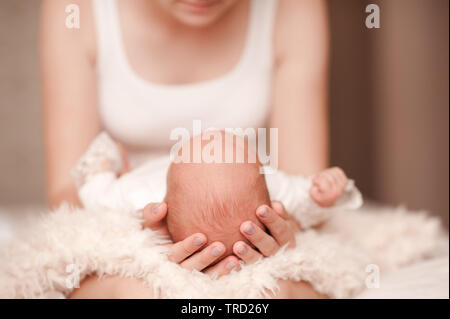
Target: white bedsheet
(5,229)
(11,217)
(427,279)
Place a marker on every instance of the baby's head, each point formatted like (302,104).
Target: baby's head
(214,198)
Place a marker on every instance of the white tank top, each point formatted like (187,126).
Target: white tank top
(141,114)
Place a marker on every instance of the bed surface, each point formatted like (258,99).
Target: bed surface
(427,279)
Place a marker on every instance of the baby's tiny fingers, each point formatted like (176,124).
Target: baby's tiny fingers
(332,180)
(246,253)
(153,215)
(339,183)
(183,249)
(224,267)
(340,175)
(321,198)
(323,183)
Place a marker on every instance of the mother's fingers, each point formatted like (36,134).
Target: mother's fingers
(263,241)
(183,249)
(279,209)
(153,215)
(278,227)
(224,267)
(204,258)
(246,253)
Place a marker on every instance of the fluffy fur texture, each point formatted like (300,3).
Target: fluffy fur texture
(39,264)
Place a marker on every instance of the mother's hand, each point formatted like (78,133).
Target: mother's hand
(282,230)
(189,253)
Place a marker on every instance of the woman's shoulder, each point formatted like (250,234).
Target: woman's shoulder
(300,24)
(69,24)
(299,8)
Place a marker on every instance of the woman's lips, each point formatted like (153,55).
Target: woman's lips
(198,6)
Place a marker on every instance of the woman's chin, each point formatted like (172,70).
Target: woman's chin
(195,20)
(200,13)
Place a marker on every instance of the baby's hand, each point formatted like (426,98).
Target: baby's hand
(327,186)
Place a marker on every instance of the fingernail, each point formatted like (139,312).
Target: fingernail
(249,229)
(198,241)
(264,212)
(155,209)
(230,265)
(241,249)
(216,251)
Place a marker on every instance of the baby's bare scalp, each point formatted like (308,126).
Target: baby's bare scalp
(214,199)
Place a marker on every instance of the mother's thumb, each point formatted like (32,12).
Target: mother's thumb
(153,214)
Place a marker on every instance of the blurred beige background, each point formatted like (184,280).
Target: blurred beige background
(389,102)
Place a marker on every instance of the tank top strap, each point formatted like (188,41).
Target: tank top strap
(109,43)
(262,24)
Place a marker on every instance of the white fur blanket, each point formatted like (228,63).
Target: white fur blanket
(60,247)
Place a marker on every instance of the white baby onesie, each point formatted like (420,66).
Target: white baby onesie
(98,185)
